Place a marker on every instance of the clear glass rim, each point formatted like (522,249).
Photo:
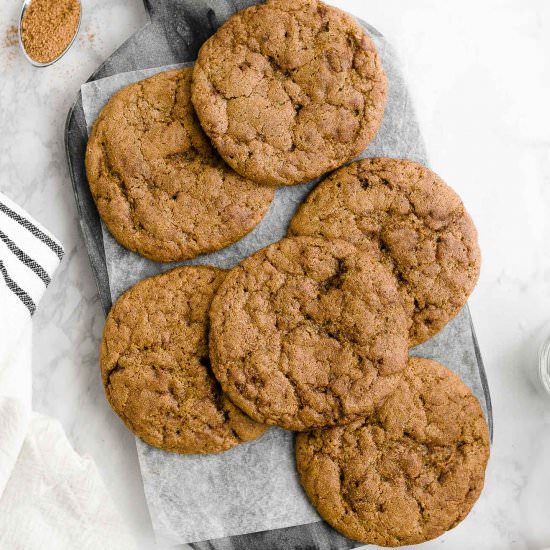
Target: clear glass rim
(544,365)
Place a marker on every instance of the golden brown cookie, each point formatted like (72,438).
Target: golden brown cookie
(409,472)
(288,90)
(159,186)
(411,221)
(308,333)
(156,370)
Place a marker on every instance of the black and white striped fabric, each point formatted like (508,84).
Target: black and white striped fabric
(29,255)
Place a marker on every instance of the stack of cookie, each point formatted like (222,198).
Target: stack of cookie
(312,333)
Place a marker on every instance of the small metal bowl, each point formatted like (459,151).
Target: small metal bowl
(32,61)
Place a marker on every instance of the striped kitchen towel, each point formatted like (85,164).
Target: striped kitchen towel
(29,255)
(50,497)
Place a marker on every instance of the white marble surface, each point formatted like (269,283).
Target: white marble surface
(480,76)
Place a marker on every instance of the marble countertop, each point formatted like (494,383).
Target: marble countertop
(479,73)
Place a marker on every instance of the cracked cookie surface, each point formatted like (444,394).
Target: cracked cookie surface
(408,473)
(412,222)
(159,185)
(308,333)
(156,370)
(289,90)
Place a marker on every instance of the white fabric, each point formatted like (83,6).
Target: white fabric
(15,401)
(50,497)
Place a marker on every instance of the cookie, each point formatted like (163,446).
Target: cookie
(409,472)
(308,333)
(411,221)
(159,186)
(155,366)
(288,90)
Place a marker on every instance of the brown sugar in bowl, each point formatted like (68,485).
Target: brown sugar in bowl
(48,28)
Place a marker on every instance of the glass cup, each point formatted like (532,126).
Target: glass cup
(544,365)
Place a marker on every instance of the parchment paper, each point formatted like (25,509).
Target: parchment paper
(254,487)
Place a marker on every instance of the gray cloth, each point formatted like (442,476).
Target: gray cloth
(254,487)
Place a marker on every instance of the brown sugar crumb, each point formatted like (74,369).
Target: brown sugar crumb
(10,37)
(48,27)
(88,36)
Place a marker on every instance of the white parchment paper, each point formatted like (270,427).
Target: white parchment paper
(254,487)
